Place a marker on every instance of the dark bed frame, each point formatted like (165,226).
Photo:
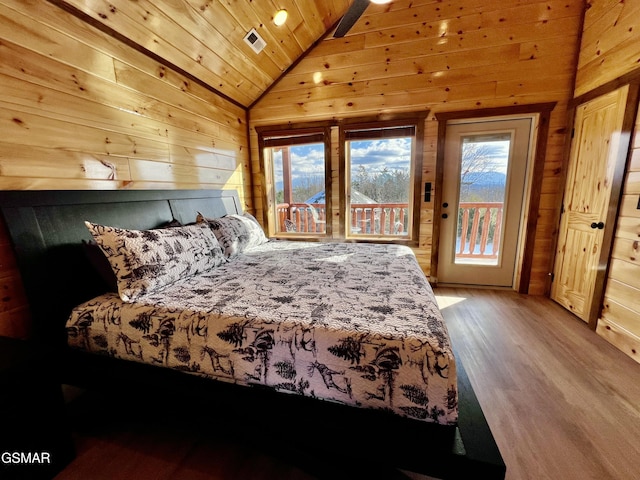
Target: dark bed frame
(47,229)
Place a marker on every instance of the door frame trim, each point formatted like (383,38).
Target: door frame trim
(543,112)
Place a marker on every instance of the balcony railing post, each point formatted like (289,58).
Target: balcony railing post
(298,219)
(497,233)
(465,226)
(480,229)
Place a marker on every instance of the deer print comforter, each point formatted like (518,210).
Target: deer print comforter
(350,323)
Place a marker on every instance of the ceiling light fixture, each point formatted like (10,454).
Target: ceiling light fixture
(280,17)
(380,2)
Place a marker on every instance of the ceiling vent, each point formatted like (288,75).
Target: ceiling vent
(255,41)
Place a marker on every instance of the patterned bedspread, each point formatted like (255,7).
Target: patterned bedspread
(345,322)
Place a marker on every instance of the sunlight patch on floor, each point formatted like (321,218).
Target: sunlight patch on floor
(445,301)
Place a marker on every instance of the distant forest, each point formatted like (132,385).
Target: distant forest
(480,181)
(383,186)
(483,187)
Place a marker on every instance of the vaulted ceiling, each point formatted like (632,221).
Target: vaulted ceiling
(205,37)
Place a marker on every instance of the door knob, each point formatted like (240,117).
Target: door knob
(445,205)
(599,225)
(444,215)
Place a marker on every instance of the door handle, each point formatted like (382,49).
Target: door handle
(444,215)
(599,225)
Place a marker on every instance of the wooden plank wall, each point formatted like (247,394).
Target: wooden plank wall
(610,50)
(81,110)
(619,322)
(442,57)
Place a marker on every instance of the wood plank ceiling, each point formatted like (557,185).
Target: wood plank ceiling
(204,38)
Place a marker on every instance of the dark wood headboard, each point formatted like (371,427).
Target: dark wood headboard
(47,229)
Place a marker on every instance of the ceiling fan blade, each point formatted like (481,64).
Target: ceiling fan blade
(356,9)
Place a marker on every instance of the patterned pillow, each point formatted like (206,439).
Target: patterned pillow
(145,261)
(101,264)
(236,233)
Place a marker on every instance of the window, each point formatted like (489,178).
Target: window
(380,163)
(296,165)
(377,168)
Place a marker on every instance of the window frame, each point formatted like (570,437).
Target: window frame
(372,131)
(414,120)
(288,136)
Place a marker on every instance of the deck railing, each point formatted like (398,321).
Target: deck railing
(379,218)
(302,217)
(366,218)
(479,225)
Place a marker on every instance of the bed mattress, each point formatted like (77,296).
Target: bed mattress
(352,323)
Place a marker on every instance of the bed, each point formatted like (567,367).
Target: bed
(347,336)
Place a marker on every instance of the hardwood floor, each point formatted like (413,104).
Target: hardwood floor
(561,402)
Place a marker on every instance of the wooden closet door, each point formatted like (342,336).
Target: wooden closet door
(596,154)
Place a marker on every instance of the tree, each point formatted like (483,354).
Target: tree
(308,187)
(383,186)
(304,188)
(477,185)
(478,166)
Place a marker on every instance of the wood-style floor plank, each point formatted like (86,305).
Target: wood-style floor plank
(562,404)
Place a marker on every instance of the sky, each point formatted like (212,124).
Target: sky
(307,161)
(497,153)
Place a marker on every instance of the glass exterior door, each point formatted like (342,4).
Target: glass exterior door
(483,192)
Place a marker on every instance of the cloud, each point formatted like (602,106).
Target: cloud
(392,153)
(486,155)
(307,161)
